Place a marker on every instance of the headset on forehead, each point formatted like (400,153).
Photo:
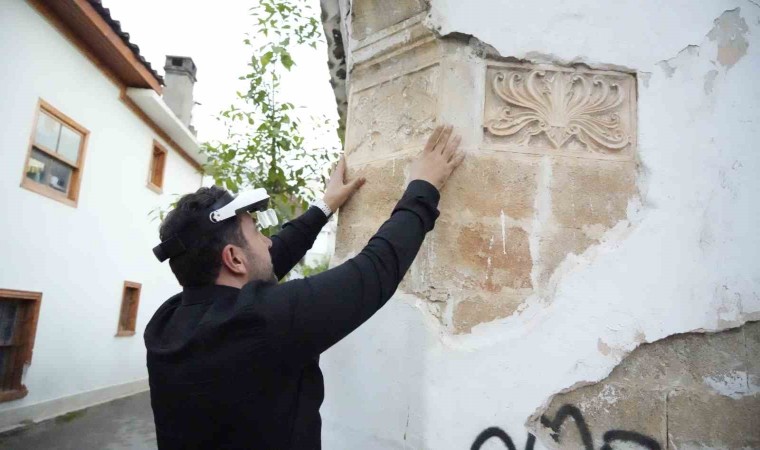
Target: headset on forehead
(224,208)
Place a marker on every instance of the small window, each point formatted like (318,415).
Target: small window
(18,326)
(128,316)
(56,155)
(157,167)
(177,62)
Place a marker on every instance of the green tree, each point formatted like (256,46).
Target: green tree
(265,143)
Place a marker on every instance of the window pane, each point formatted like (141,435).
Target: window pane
(7,321)
(49,171)
(4,366)
(68,146)
(48,130)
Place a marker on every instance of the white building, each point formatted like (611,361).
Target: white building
(89,149)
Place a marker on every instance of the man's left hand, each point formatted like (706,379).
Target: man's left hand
(338,190)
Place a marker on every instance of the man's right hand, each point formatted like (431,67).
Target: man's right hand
(439,158)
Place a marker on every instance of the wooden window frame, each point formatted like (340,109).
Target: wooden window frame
(72,198)
(23,358)
(120,332)
(157,148)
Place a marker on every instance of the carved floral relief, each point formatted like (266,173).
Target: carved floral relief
(563,110)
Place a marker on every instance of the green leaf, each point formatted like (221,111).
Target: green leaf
(266,58)
(264,144)
(286,60)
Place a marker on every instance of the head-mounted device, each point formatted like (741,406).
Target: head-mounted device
(224,208)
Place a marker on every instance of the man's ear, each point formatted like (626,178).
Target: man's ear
(234,259)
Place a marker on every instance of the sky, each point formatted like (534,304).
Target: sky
(212,34)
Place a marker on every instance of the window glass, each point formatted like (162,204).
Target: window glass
(68,146)
(7,322)
(47,133)
(48,171)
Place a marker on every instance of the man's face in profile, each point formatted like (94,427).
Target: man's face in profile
(259,260)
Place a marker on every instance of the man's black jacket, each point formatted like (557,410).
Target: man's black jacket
(239,368)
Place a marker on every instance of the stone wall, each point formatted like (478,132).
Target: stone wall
(552,165)
(688,391)
(605,202)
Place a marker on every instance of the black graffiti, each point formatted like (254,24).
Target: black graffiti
(497,432)
(629,436)
(555,425)
(493,432)
(564,412)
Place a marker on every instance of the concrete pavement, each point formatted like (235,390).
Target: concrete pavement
(123,424)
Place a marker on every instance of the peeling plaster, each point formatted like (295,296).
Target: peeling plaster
(733,384)
(730,34)
(710,81)
(669,66)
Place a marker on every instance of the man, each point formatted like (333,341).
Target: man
(233,360)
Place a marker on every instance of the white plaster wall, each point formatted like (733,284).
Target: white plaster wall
(324,245)
(687,259)
(78,257)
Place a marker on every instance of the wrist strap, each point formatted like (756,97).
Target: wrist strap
(323,207)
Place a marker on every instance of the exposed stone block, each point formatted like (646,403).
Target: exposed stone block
(691,361)
(556,244)
(490,186)
(472,255)
(393,115)
(598,413)
(587,192)
(371,16)
(486,307)
(698,420)
(369,207)
(698,384)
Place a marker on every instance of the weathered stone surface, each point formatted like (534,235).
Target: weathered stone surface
(363,214)
(478,261)
(486,308)
(587,192)
(687,361)
(351,238)
(472,256)
(696,385)
(555,245)
(555,110)
(489,265)
(591,412)
(393,115)
(370,16)
(491,186)
(752,351)
(698,420)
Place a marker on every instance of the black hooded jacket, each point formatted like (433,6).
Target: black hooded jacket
(239,368)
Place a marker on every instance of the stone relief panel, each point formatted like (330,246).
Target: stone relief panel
(393,115)
(560,111)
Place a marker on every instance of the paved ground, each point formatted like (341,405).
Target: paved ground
(122,424)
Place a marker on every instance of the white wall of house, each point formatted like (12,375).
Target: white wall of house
(324,245)
(78,257)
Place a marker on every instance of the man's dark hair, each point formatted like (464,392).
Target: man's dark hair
(200,264)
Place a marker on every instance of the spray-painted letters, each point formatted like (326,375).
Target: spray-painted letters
(555,425)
